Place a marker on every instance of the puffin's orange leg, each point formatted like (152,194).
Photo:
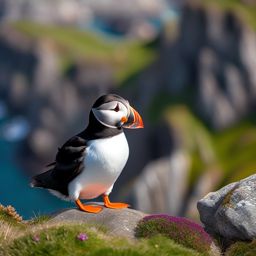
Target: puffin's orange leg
(88,208)
(108,204)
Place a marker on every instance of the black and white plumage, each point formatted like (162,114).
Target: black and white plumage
(88,164)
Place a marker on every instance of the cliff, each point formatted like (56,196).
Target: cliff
(194,86)
(203,85)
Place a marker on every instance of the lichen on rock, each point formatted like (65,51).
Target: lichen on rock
(231,211)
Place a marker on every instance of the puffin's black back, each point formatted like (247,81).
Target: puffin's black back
(96,130)
(68,164)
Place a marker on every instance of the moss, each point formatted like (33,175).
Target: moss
(227,200)
(242,249)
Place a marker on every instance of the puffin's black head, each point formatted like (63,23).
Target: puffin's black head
(113,111)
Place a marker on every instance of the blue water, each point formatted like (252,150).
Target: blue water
(15,189)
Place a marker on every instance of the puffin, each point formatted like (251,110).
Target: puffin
(88,164)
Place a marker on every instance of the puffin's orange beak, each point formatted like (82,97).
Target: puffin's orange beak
(134,120)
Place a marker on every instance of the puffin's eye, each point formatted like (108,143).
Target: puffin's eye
(116,109)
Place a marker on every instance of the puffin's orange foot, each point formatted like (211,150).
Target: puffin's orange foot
(108,204)
(88,208)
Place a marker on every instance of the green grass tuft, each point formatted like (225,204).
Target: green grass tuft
(40,219)
(242,249)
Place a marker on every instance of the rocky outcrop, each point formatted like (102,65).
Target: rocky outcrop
(209,65)
(117,222)
(231,211)
(222,54)
(211,61)
(162,185)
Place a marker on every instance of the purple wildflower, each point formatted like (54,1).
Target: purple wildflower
(82,237)
(179,229)
(36,238)
(183,222)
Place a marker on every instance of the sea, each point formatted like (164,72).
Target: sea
(14,183)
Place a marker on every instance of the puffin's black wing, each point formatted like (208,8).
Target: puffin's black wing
(68,164)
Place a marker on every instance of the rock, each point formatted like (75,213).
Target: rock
(118,222)
(162,185)
(213,55)
(231,211)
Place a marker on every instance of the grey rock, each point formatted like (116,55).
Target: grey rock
(231,211)
(161,186)
(119,222)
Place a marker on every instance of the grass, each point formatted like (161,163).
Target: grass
(242,249)
(37,237)
(40,219)
(246,12)
(126,58)
(63,241)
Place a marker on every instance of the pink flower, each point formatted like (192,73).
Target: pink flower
(36,238)
(179,229)
(82,237)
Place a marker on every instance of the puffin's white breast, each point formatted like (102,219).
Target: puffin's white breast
(103,163)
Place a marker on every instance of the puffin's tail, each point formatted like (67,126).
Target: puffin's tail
(42,180)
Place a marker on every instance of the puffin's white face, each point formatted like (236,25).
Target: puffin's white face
(112,114)
(115,112)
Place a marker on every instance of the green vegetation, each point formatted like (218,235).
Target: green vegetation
(73,239)
(37,237)
(235,148)
(39,220)
(246,11)
(180,230)
(126,58)
(195,139)
(231,152)
(242,249)
(64,240)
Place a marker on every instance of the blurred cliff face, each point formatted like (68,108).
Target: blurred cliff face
(192,78)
